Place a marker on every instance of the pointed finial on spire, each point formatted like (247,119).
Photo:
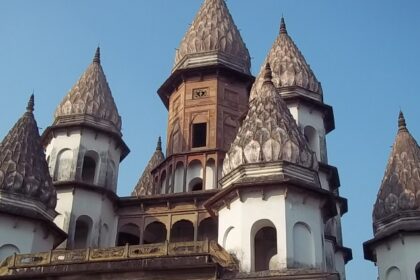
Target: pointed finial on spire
(97,58)
(402,126)
(31,103)
(159,144)
(267,73)
(283,29)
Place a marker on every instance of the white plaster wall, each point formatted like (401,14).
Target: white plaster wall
(179,179)
(324,181)
(403,253)
(300,208)
(340,265)
(29,236)
(243,215)
(101,210)
(305,116)
(64,207)
(210,176)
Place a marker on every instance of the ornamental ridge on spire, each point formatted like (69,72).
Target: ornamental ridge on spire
(212,39)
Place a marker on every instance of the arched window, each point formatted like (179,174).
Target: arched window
(418,271)
(393,273)
(195,176)
(169,187)
(90,161)
(63,165)
(82,232)
(196,184)
(128,234)
(179,178)
(312,137)
(303,245)
(263,245)
(182,231)
(154,233)
(207,229)
(211,175)
(8,250)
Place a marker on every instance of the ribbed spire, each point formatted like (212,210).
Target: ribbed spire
(24,171)
(288,65)
(97,57)
(283,29)
(269,133)
(401,122)
(213,39)
(159,144)
(398,195)
(90,97)
(31,104)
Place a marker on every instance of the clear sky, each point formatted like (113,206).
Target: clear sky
(365,53)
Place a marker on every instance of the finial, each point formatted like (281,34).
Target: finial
(97,57)
(401,122)
(159,144)
(267,73)
(31,103)
(283,29)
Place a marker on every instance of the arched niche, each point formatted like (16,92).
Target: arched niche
(154,232)
(303,246)
(263,245)
(82,232)
(179,178)
(8,250)
(182,231)
(89,167)
(170,186)
(128,234)
(207,229)
(211,181)
(393,273)
(195,176)
(312,137)
(111,176)
(63,165)
(418,271)
(162,183)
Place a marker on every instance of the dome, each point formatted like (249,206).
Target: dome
(399,194)
(269,133)
(24,174)
(288,65)
(213,38)
(90,96)
(145,184)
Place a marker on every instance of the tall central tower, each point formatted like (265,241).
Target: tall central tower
(206,94)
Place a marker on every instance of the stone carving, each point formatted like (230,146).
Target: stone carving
(108,254)
(220,256)
(400,188)
(200,93)
(145,185)
(288,65)
(213,32)
(92,96)
(148,250)
(23,167)
(269,133)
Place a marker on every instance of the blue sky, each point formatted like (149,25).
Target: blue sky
(365,53)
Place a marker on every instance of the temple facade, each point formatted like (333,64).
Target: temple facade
(243,190)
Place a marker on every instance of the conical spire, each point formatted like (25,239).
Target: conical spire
(213,38)
(24,173)
(398,195)
(97,57)
(90,97)
(31,104)
(269,133)
(145,184)
(289,67)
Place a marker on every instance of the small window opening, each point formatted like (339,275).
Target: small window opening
(199,135)
(89,169)
(196,184)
